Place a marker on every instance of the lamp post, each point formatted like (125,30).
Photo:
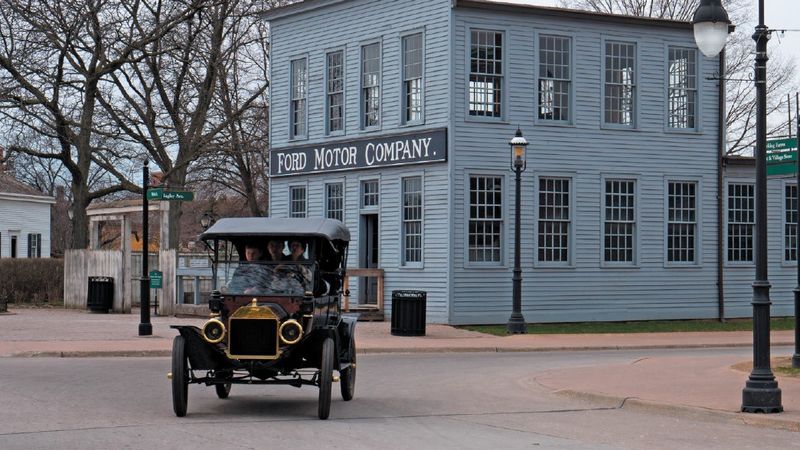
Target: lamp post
(145,327)
(206,220)
(761,392)
(516,323)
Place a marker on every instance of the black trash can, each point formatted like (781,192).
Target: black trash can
(408,313)
(100,297)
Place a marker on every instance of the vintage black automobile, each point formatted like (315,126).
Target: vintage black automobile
(277,319)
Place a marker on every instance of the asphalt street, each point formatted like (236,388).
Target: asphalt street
(427,401)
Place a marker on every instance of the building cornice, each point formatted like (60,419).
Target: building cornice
(27,198)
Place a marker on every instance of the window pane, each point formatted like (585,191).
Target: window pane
(485,219)
(486,74)
(554,220)
(620,83)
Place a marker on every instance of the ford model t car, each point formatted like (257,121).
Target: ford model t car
(277,317)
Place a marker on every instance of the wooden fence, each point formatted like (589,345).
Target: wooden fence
(79,265)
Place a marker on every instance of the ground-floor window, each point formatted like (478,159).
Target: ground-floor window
(485,218)
(334,201)
(297,201)
(619,217)
(554,220)
(790,223)
(741,220)
(681,221)
(412,220)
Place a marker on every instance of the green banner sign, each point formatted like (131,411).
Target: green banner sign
(168,195)
(156,279)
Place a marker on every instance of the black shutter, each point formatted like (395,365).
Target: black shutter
(30,238)
(38,245)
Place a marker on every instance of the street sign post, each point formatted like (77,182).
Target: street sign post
(156,279)
(781,156)
(169,195)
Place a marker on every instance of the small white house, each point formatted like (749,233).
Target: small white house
(24,220)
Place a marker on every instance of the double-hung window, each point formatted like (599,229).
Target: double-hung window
(554,220)
(371,85)
(485,219)
(554,78)
(486,73)
(299,95)
(334,201)
(412,220)
(741,221)
(619,227)
(34,245)
(620,83)
(682,90)
(412,78)
(681,221)
(334,97)
(297,201)
(790,223)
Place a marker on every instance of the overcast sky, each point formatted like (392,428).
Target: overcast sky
(780,14)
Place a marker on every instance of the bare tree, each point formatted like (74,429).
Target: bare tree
(740,95)
(53,56)
(170,102)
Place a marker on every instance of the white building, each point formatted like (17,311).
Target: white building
(24,220)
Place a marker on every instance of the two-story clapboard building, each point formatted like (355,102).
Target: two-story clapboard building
(394,116)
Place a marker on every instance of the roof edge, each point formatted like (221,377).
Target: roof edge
(28,197)
(570,13)
(296,8)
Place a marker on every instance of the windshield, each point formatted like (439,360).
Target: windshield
(264,278)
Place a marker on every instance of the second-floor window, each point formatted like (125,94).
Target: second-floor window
(486,73)
(412,78)
(297,201)
(620,83)
(299,94)
(741,220)
(554,78)
(682,92)
(335,91)
(371,85)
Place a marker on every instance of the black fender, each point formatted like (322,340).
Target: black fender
(202,355)
(346,332)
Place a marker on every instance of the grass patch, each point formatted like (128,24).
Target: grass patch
(655,326)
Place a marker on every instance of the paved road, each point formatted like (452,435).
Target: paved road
(443,401)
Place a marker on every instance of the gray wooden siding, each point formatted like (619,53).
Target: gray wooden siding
(782,275)
(586,152)
(23,217)
(349,25)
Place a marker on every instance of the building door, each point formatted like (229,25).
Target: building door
(368,258)
(13,246)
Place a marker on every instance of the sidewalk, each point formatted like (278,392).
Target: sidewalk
(683,385)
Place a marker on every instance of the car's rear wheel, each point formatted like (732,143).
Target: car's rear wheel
(348,375)
(325,378)
(180,376)
(223,390)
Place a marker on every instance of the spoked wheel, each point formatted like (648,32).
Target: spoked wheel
(223,390)
(180,376)
(325,378)
(348,376)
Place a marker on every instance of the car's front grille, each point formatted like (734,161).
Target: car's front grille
(253,338)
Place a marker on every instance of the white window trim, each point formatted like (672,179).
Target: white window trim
(361,126)
(728,263)
(402,121)
(698,91)
(289,192)
(468,63)
(343,131)
(370,208)
(340,181)
(292,136)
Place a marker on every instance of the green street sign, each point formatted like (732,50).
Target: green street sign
(156,279)
(172,196)
(781,156)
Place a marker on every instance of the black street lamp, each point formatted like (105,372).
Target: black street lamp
(761,392)
(145,327)
(207,220)
(516,323)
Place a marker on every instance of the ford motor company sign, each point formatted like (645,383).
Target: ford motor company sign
(409,148)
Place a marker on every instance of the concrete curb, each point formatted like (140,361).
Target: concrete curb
(637,404)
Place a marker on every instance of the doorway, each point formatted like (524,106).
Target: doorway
(368,258)
(14,246)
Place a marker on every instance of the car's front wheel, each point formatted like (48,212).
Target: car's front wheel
(180,376)
(325,378)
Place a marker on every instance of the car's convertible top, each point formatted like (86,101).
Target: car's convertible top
(330,229)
